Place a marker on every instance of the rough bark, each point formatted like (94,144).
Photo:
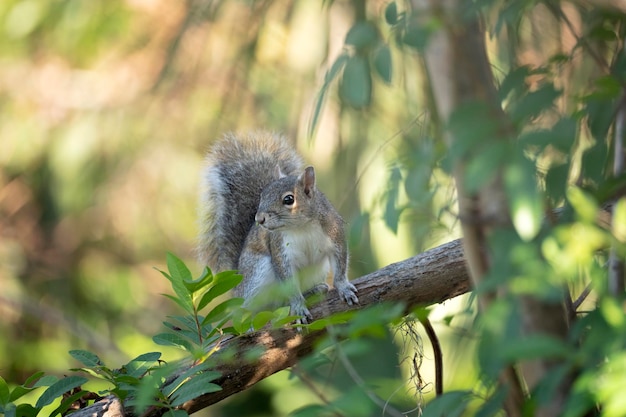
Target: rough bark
(431,277)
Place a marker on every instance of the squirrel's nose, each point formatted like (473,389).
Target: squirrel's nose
(259,218)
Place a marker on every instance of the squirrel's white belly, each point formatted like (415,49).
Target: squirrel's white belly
(309,251)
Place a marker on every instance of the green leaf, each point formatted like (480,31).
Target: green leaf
(178,269)
(595,162)
(178,275)
(171,387)
(524,198)
(142,364)
(186,306)
(584,204)
(313,410)
(599,117)
(482,133)
(284,320)
(382,63)
(533,347)
(4,392)
(204,280)
(392,213)
(493,405)
(24,410)
(391,13)
(331,74)
(58,389)
(514,83)
(169,339)
(556,182)
(221,310)
(26,387)
(450,404)
(362,35)
(45,381)
(484,165)
(176,413)
(532,104)
(607,87)
(261,319)
(86,358)
(223,282)
(67,402)
(195,387)
(416,35)
(355,88)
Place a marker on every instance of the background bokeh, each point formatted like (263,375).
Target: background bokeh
(108,106)
(106,110)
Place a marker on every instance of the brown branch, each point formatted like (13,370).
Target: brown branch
(431,277)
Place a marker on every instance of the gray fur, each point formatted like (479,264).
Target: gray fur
(298,243)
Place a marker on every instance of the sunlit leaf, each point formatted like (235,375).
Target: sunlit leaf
(197,284)
(583,203)
(525,199)
(4,392)
(221,310)
(26,387)
(261,319)
(222,282)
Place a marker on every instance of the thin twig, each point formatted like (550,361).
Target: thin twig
(434,341)
(576,304)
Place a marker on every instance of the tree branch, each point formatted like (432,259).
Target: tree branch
(431,277)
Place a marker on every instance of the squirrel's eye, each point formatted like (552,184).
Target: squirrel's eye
(288,200)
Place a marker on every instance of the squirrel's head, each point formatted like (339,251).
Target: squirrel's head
(287,202)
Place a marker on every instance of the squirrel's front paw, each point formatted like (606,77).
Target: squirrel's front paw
(347,292)
(298,308)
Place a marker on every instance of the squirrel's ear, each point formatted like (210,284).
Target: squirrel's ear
(278,173)
(307,178)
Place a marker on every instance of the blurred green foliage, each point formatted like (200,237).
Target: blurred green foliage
(106,109)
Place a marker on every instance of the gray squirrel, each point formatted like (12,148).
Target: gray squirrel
(261,214)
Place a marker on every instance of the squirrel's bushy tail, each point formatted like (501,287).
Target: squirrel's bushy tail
(237,168)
